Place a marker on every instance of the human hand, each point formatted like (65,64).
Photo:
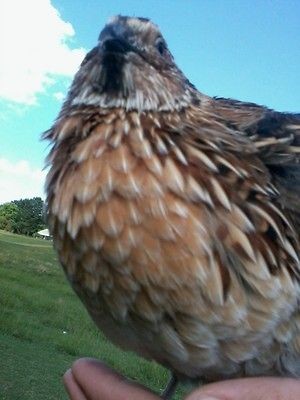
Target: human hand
(90,379)
(263,388)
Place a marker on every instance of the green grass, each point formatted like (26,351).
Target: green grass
(44,327)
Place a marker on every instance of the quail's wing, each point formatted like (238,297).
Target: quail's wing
(277,139)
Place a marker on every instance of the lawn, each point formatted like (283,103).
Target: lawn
(44,327)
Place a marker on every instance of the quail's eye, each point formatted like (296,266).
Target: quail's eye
(161,46)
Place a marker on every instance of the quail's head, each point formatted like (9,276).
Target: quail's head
(131,67)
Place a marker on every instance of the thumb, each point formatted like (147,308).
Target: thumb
(249,389)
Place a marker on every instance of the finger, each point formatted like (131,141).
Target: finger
(72,387)
(250,389)
(97,381)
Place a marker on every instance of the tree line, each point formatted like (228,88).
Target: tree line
(25,216)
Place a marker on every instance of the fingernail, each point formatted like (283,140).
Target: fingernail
(210,398)
(207,398)
(196,396)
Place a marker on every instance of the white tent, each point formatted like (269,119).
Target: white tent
(45,234)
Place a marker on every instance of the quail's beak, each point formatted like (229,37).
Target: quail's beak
(113,46)
(112,40)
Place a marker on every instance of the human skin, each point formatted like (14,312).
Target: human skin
(90,379)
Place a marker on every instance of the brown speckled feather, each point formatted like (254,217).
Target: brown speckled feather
(277,139)
(175,215)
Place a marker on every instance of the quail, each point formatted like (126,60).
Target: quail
(176,215)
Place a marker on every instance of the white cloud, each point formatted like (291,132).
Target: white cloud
(59,96)
(20,180)
(34,49)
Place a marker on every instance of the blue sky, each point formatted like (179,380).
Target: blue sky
(244,49)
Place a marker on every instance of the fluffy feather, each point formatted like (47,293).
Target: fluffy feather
(177,214)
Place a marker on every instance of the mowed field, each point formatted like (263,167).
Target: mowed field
(44,327)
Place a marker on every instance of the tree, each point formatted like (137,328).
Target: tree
(8,216)
(23,216)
